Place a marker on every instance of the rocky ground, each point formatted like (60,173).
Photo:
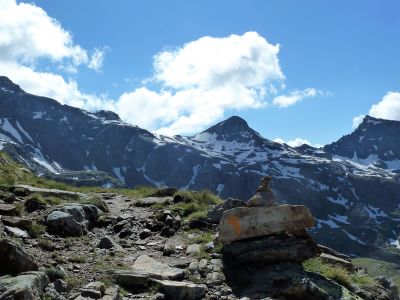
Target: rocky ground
(66,245)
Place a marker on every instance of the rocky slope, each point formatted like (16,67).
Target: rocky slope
(351,186)
(158,244)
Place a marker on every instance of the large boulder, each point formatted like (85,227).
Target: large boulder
(248,222)
(14,259)
(29,285)
(215,213)
(73,219)
(272,248)
(63,224)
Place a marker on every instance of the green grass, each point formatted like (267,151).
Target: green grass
(46,244)
(377,268)
(79,259)
(55,273)
(195,204)
(337,273)
(36,229)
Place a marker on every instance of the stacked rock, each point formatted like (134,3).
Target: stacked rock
(262,253)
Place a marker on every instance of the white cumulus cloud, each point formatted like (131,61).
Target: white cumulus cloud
(28,34)
(295,96)
(201,80)
(97,59)
(197,83)
(296,142)
(388,108)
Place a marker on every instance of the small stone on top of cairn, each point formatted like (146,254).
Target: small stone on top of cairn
(263,196)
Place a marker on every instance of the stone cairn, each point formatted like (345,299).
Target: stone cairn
(264,245)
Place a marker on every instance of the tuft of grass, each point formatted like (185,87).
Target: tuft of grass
(96,201)
(337,273)
(109,263)
(20,209)
(36,229)
(46,244)
(79,259)
(106,279)
(73,282)
(195,204)
(202,237)
(377,268)
(55,273)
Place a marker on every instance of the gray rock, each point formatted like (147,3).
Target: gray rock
(155,269)
(89,293)
(215,213)
(389,284)
(111,293)
(8,210)
(60,286)
(14,231)
(129,279)
(63,224)
(193,249)
(49,192)
(108,243)
(145,233)
(334,260)
(87,214)
(73,219)
(29,285)
(181,290)
(167,232)
(263,198)
(14,259)
(96,286)
(169,221)
(248,222)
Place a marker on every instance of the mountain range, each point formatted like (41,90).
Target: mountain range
(352,186)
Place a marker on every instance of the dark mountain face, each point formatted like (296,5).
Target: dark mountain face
(375,141)
(356,201)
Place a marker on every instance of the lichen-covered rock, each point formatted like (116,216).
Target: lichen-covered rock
(14,259)
(29,285)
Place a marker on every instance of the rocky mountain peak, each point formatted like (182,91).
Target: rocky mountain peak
(108,115)
(375,141)
(7,85)
(231,125)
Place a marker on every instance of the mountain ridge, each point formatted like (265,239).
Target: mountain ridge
(229,158)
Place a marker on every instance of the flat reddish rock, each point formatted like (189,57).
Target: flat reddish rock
(246,222)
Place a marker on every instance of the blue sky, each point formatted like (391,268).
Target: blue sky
(346,51)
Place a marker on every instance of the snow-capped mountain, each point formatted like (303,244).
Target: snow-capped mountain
(351,186)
